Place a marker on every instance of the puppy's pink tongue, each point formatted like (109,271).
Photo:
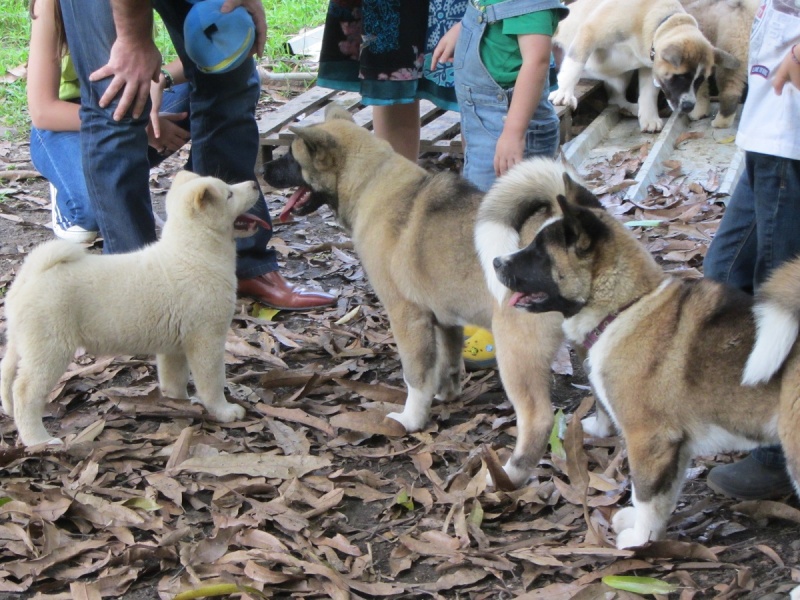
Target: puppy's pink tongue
(291,203)
(515,298)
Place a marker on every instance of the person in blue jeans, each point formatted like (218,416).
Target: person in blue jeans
(501,53)
(761,225)
(116,60)
(53,104)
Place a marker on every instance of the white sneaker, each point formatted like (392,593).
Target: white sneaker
(62,227)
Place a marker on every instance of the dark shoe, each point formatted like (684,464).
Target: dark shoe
(274,291)
(750,479)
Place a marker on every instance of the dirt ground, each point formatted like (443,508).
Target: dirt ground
(312,494)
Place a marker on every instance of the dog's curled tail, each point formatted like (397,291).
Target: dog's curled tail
(529,188)
(777,314)
(45,257)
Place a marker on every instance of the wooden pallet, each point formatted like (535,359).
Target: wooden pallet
(440,131)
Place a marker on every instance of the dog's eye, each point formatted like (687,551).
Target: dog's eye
(230,194)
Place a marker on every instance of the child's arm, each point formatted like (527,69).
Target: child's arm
(44,75)
(445,49)
(535,49)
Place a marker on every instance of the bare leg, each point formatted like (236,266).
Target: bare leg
(399,125)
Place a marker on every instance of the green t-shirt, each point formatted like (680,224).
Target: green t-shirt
(69,88)
(499,48)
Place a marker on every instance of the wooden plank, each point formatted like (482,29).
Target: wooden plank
(440,131)
(273,121)
(445,125)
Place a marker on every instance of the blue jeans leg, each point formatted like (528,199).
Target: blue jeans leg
(113,153)
(731,257)
(57,156)
(224,132)
(758,232)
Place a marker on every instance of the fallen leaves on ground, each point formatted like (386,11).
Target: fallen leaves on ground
(314,494)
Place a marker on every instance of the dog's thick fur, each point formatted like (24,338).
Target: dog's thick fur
(727,25)
(414,234)
(174,298)
(683,368)
(612,39)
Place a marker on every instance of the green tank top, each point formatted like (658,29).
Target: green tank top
(69,88)
(499,49)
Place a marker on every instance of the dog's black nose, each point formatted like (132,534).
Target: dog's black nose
(687,106)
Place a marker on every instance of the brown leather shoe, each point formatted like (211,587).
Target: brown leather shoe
(273,290)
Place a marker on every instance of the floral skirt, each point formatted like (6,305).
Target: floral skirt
(382,49)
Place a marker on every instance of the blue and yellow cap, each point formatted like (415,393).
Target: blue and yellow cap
(218,42)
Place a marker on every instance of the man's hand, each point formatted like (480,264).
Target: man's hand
(256,10)
(134,60)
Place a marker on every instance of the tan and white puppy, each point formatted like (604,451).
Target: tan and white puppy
(611,39)
(414,234)
(683,368)
(727,25)
(174,298)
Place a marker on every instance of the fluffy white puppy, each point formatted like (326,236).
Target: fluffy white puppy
(174,298)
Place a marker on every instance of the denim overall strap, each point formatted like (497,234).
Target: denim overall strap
(516,8)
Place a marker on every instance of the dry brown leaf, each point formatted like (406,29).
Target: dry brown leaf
(255,465)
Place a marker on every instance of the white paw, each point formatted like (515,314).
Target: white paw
(721,122)
(411,420)
(650,124)
(596,427)
(225,413)
(517,476)
(40,440)
(629,538)
(699,112)
(564,98)
(624,518)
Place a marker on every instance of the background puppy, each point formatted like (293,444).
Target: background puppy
(726,24)
(666,356)
(413,232)
(174,298)
(611,39)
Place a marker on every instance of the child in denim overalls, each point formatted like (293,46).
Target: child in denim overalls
(501,64)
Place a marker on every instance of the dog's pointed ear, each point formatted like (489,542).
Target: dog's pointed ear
(673,55)
(204,195)
(182,177)
(336,111)
(314,138)
(582,227)
(320,144)
(725,60)
(578,194)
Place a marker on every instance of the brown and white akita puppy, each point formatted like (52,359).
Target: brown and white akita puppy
(414,233)
(727,25)
(611,39)
(683,368)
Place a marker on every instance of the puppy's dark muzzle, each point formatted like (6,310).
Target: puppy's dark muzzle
(687,106)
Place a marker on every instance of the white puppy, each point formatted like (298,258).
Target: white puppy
(174,298)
